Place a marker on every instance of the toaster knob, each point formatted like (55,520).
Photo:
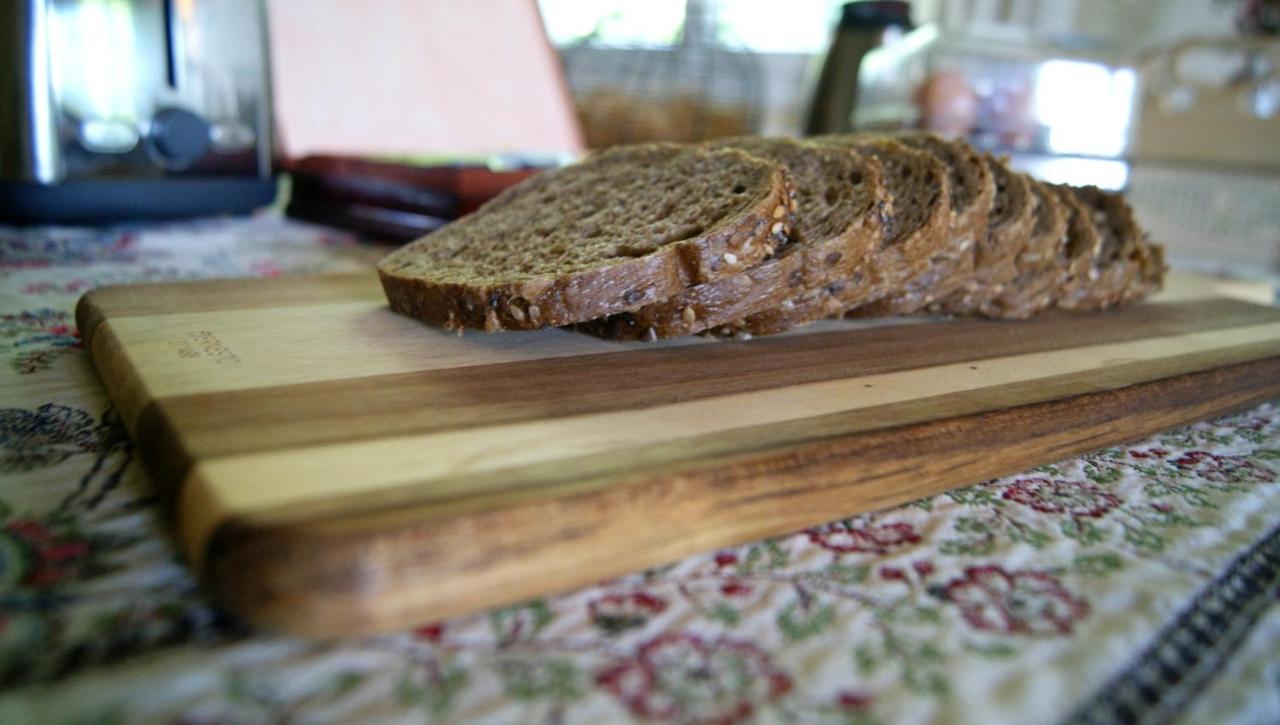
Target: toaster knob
(179,136)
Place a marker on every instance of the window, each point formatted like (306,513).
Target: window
(804,27)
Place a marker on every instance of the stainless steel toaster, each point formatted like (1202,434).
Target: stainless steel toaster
(133,109)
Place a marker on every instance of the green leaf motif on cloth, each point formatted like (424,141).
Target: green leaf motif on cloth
(1082,531)
(1097,564)
(992,650)
(520,622)
(839,573)
(538,679)
(978,540)
(1144,539)
(763,556)
(796,622)
(723,613)
(432,686)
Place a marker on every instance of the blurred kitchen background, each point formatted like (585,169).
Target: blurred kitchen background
(1175,101)
(393,117)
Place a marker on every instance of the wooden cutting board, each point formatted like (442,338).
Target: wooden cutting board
(334,468)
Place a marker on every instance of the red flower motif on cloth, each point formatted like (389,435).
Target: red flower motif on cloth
(853,701)
(430,633)
(1054,496)
(726,558)
(1029,603)
(847,536)
(1224,469)
(679,676)
(49,556)
(618,612)
(1148,453)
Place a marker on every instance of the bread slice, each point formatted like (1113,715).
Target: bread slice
(1037,265)
(972,190)
(837,202)
(1076,263)
(624,228)
(1009,225)
(916,221)
(1122,265)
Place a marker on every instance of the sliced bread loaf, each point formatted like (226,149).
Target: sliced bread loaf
(972,190)
(1009,225)
(1078,261)
(916,222)
(1123,264)
(624,228)
(1037,265)
(838,195)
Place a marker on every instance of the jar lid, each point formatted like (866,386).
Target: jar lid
(864,14)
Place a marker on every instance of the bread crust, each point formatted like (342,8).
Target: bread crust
(1037,265)
(803,264)
(729,247)
(883,272)
(1005,255)
(953,265)
(1122,266)
(1009,227)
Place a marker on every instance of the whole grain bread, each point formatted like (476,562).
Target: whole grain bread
(1122,265)
(1035,286)
(1077,262)
(972,190)
(624,228)
(916,221)
(838,196)
(1009,225)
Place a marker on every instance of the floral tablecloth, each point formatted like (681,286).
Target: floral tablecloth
(1136,584)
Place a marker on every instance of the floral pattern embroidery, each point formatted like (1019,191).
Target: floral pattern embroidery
(681,676)
(859,535)
(1020,602)
(618,612)
(1224,469)
(34,338)
(873,618)
(1052,496)
(43,248)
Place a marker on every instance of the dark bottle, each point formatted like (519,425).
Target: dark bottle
(863,27)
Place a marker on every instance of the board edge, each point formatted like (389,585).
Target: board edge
(320,579)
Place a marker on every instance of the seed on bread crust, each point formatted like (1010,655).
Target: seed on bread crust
(688,315)
(730,258)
